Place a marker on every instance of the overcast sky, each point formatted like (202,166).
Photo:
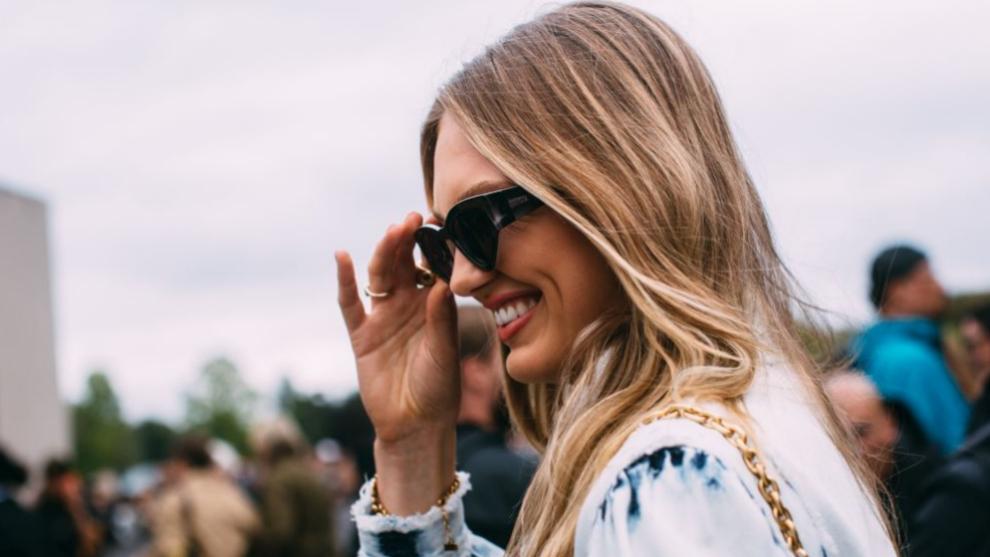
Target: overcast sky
(202,160)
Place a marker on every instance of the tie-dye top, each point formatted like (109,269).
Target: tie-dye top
(676,488)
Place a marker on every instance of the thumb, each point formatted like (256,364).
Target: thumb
(441,312)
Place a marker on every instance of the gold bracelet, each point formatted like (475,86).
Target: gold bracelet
(378,508)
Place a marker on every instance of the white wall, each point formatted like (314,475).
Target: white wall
(33,420)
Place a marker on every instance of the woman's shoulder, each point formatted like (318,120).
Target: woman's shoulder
(663,444)
(669,442)
(675,479)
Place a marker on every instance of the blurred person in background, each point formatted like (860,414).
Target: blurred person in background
(20,532)
(200,511)
(295,504)
(953,517)
(903,462)
(343,478)
(67,527)
(103,501)
(499,475)
(902,351)
(860,405)
(975,331)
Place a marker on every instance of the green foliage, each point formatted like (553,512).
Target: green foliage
(312,413)
(830,347)
(221,404)
(154,440)
(826,346)
(963,303)
(345,421)
(101,436)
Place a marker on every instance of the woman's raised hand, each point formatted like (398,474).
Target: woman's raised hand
(408,369)
(406,346)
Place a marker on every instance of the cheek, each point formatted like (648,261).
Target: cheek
(578,287)
(588,286)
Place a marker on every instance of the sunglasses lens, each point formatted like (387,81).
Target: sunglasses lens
(436,252)
(476,237)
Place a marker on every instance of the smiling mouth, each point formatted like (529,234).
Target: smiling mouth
(514,310)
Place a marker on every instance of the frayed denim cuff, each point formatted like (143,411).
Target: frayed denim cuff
(420,534)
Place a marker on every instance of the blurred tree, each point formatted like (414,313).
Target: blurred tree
(154,440)
(345,421)
(286,396)
(350,426)
(960,304)
(827,346)
(312,413)
(221,404)
(101,437)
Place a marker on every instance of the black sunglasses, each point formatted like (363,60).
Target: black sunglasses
(473,226)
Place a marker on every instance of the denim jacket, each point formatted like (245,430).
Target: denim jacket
(676,488)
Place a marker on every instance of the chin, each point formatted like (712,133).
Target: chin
(526,366)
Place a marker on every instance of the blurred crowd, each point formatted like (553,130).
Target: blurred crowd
(288,499)
(203,501)
(913,390)
(911,387)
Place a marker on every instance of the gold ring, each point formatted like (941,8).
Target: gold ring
(425,277)
(372,294)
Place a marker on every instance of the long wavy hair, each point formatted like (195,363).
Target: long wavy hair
(610,118)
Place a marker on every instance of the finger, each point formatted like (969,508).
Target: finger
(380,270)
(347,292)
(405,264)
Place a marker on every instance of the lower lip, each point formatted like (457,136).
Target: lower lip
(506,332)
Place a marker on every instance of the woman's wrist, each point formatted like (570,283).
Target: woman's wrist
(414,471)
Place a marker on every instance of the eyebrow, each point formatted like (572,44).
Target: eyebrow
(484,186)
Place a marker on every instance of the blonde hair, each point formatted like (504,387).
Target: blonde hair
(610,118)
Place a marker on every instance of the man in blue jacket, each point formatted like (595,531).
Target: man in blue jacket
(902,351)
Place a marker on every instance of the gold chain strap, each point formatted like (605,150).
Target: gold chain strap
(737,437)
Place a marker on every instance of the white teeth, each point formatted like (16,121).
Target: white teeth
(512,311)
(513,314)
(521,307)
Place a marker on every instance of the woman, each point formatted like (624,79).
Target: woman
(592,198)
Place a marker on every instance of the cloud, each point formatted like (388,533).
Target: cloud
(203,160)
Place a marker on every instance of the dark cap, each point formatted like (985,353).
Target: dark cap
(893,263)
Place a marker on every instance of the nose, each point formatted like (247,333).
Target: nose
(466,277)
